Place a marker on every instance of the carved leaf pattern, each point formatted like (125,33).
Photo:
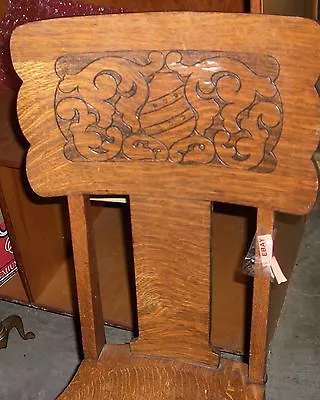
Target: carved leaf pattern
(187,107)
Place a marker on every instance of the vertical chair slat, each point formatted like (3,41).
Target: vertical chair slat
(89,300)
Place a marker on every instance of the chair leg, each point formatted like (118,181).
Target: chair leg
(260,308)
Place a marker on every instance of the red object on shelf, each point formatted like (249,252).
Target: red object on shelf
(8,265)
(22,11)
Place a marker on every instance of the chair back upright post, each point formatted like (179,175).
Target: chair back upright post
(87,282)
(260,307)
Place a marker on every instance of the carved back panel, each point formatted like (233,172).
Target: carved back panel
(178,106)
(217,105)
(210,106)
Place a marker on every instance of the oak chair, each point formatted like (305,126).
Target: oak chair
(175,110)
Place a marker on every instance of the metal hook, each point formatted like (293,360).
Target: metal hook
(13,321)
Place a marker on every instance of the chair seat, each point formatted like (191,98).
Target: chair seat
(119,374)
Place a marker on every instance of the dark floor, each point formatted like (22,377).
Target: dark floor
(39,369)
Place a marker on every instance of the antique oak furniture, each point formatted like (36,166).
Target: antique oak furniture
(46,277)
(173,110)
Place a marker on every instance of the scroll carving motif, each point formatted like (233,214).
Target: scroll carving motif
(186,107)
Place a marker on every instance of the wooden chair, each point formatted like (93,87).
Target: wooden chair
(175,110)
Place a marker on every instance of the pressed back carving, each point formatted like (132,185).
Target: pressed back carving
(187,107)
(221,106)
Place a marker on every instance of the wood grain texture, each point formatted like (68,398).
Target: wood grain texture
(260,306)
(120,375)
(172,267)
(87,282)
(290,41)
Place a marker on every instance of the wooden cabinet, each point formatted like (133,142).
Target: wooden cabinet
(301,8)
(174,5)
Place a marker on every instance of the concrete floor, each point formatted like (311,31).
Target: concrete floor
(39,369)
(294,362)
